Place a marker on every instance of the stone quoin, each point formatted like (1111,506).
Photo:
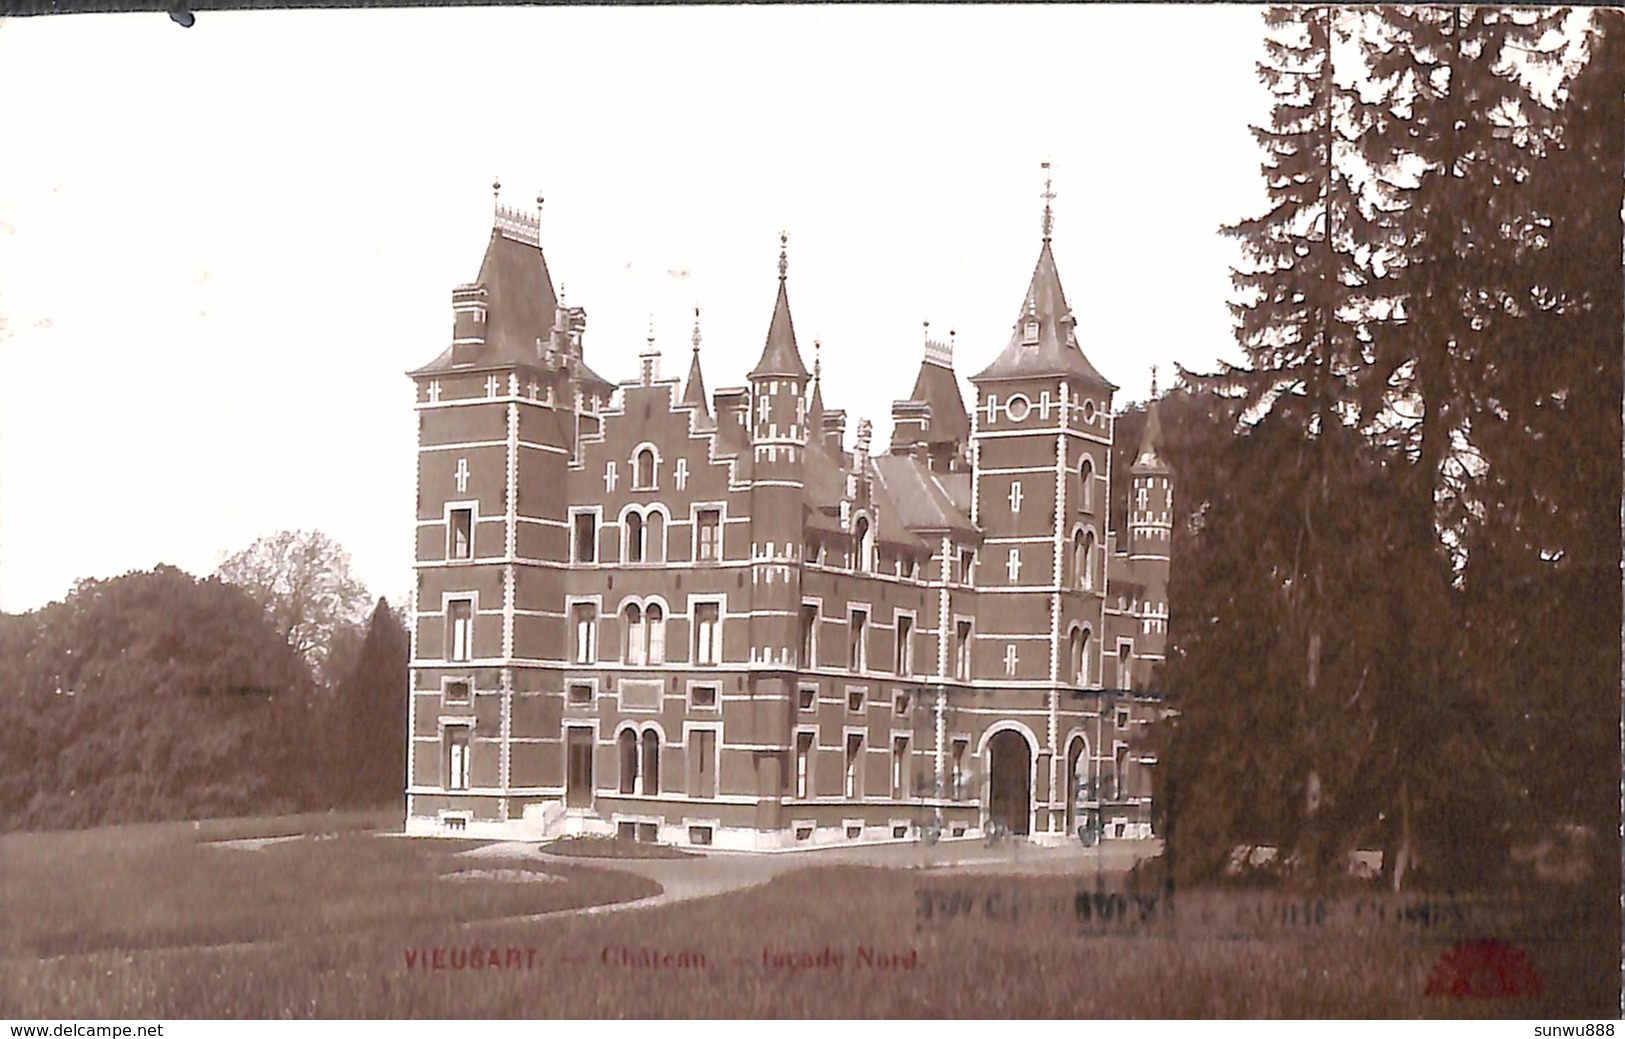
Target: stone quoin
(715,619)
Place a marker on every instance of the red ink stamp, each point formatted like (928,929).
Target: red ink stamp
(1484,969)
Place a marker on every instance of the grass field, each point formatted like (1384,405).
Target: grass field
(153,922)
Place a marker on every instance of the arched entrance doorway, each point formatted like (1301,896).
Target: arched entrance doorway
(1010,777)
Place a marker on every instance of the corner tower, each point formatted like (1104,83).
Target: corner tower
(1041,446)
(777,423)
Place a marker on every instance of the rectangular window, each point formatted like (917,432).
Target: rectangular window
(905,645)
(804,751)
(459,629)
(1122,717)
(461,535)
(702,696)
(967,566)
(1121,778)
(586,622)
(580,694)
(961,765)
(809,634)
(901,702)
(899,767)
(707,633)
(854,764)
(1125,664)
(858,656)
(586,537)
(807,697)
(962,641)
(854,700)
(708,532)
(458,690)
(457,753)
(702,750)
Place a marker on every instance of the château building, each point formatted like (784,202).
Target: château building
(700,618)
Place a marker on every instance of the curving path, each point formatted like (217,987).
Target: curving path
(718,872)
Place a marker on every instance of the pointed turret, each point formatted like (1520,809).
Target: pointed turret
(694,392)
(1151,490)
(1044,341)
(1146,458)
(815,408)
(780,357)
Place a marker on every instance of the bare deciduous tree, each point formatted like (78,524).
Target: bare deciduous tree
(302,580)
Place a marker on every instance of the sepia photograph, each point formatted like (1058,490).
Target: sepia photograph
(755,512)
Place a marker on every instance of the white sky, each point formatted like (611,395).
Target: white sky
(222,247)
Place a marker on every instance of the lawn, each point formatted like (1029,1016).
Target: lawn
(152,923)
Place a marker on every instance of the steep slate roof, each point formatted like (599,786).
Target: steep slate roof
(694,393)
(779,354)
(939,387)
(918,498)
(1055,353)
(520,307)
(1146,459)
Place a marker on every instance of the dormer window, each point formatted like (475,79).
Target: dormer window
(1029,335)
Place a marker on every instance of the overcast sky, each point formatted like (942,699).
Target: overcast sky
(222,247)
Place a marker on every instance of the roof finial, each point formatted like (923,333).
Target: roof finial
(818,362)
(784,258)
(496,191)
(695,338)
(651,332)
(539,201)
(1048,196)
(927,324)
(1153,382)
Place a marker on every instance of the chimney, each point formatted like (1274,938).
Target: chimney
(732,404)
(911,422)
(860,451)
(468,314)
(834,432)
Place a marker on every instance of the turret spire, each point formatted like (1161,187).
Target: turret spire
(694,392)
(780,355)
(1048,196)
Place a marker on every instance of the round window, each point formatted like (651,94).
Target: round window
(1018,408)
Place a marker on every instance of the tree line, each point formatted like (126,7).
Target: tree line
(1396,593)
(267,687)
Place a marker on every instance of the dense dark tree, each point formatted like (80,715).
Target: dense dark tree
(369,715)
(1379,473)
(1543,561)
(149,696)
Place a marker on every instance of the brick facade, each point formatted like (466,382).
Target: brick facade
(641,610)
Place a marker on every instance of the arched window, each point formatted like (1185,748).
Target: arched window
(1086,484)
(863,544)
(643,469)
(655,617)
(636,635)
(627,746)
(651,762)
(1080,559)
(634,537)
(1079,656)
(654,538)
(1088,580)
